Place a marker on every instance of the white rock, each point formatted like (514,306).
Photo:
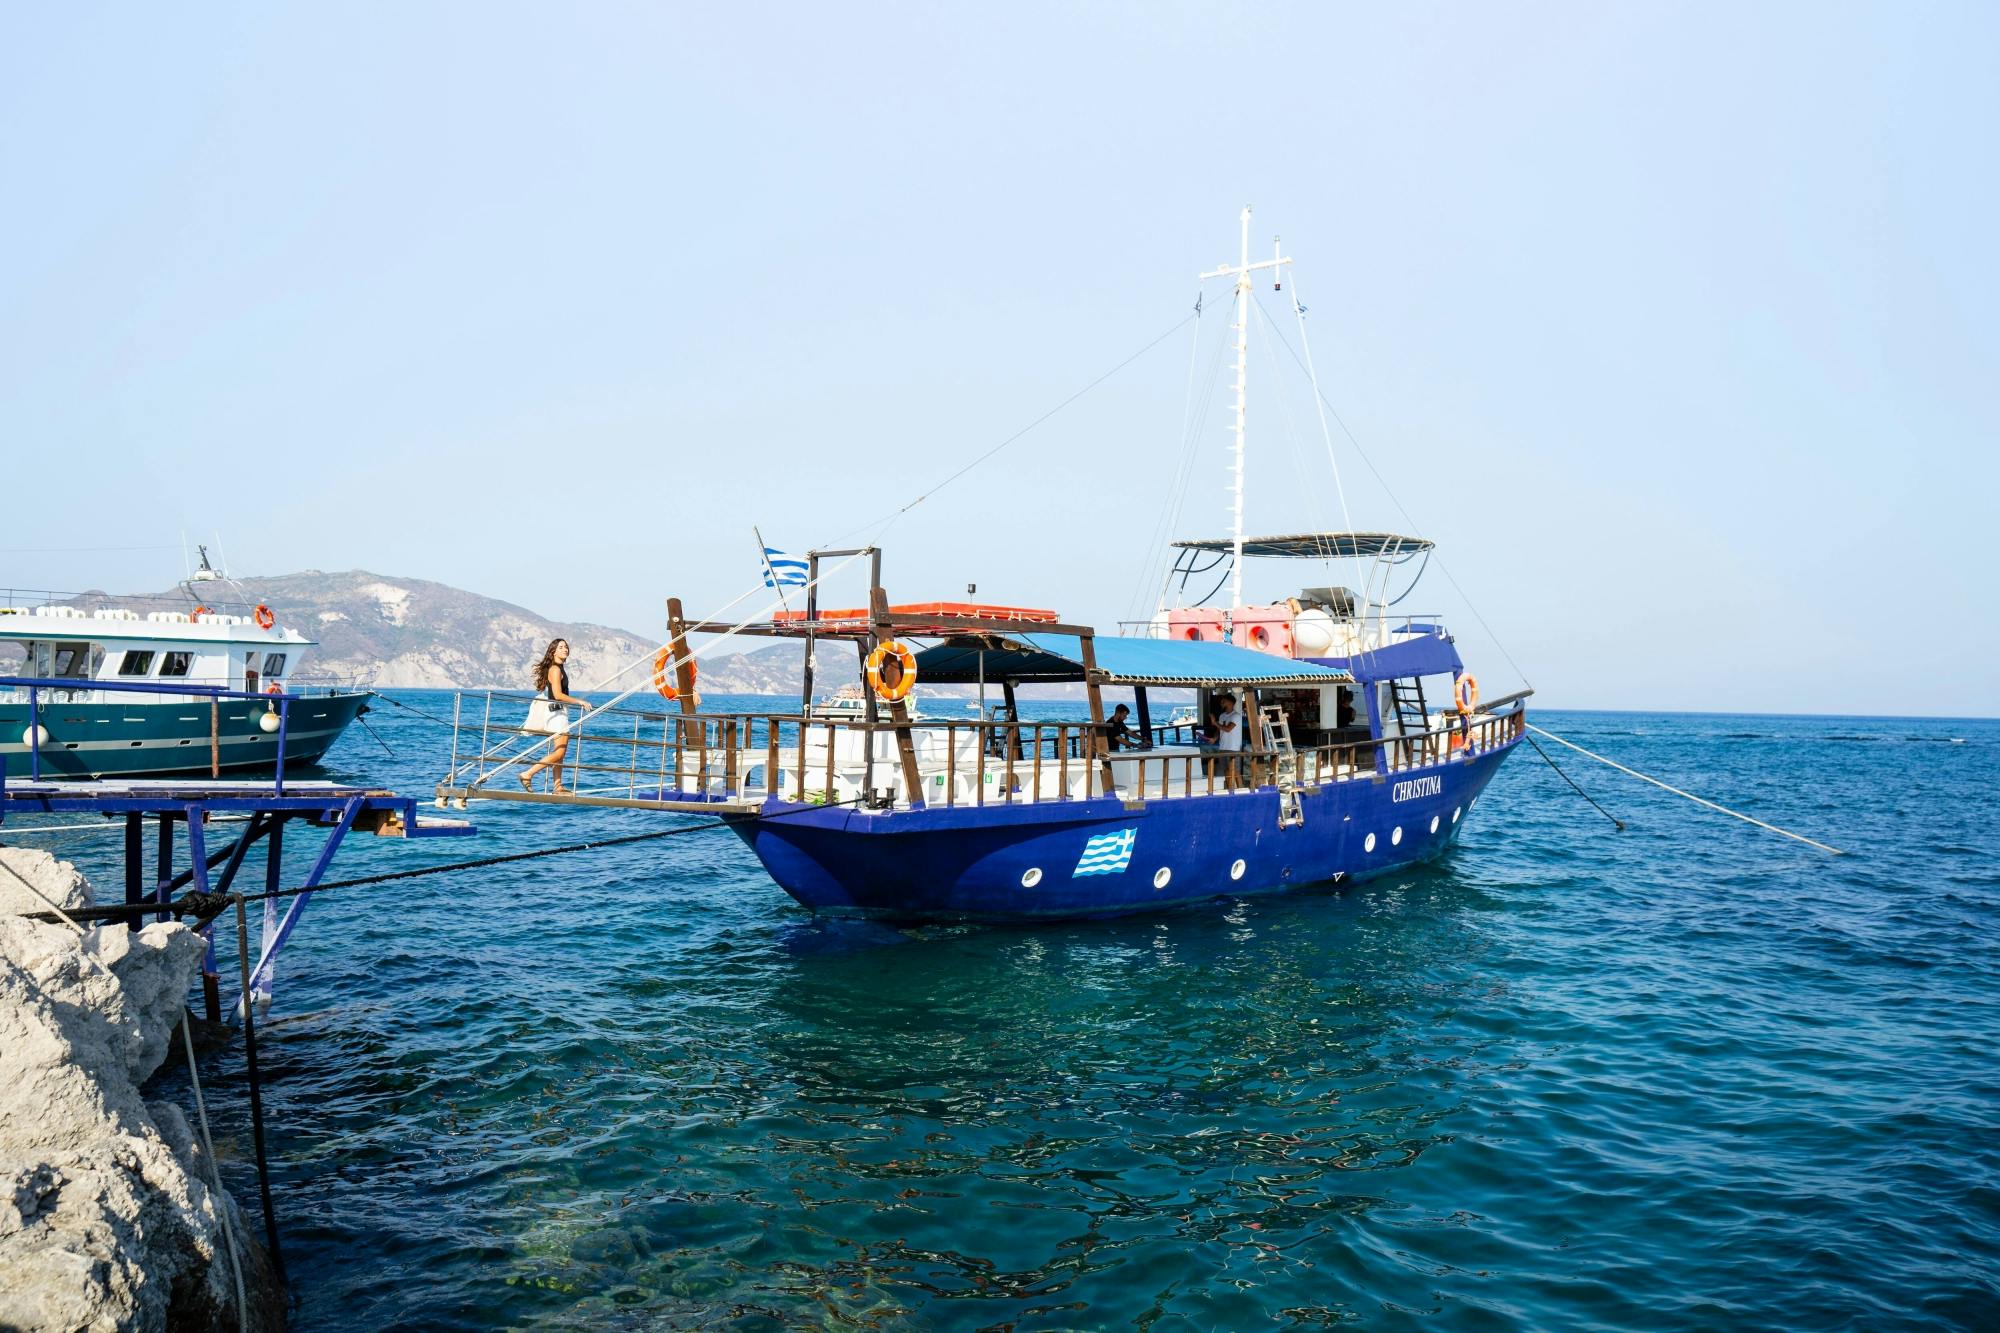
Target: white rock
(59,881)
(106,1217)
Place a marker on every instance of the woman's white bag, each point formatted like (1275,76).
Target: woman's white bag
(551,719)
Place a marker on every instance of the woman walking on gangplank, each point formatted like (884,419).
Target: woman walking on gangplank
(550,713)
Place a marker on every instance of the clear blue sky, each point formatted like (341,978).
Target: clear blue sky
(1674,325)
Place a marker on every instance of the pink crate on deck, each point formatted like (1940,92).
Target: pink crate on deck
(1264,629)
(1196,625)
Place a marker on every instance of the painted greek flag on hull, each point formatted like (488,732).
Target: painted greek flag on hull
(783,571)
(1107,854)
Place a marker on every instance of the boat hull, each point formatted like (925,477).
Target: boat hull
(1106,857)
(90,740)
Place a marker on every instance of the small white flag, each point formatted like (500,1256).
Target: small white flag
(783,571)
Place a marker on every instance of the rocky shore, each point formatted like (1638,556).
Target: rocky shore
(107,1217)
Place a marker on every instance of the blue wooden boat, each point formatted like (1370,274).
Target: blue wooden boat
(1349,772)
(1367,744)
(1352,768)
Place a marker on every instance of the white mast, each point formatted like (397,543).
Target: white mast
(1241,271)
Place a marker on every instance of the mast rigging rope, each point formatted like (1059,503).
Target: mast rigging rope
(1388,490)
(1733,814)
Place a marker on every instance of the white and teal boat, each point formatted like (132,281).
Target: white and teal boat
(109,692)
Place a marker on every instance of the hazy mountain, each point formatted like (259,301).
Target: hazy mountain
(379,629)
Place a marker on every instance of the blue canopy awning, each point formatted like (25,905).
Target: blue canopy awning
(1031,658)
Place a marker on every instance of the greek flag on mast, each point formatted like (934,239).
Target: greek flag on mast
(783,571)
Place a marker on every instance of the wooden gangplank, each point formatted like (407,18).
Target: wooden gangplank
(734,805)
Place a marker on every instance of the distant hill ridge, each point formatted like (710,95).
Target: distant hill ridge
(379,629)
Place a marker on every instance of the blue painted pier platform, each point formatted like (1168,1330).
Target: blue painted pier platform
(201,832)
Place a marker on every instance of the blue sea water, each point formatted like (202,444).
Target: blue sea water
(1690,1075)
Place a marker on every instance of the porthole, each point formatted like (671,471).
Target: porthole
(1369,844)
(1434,823)
(1456,813)
(1031,877)
(1236,870)
(1396,836)
(1162,877)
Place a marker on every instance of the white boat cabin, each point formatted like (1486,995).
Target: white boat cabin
(67,644)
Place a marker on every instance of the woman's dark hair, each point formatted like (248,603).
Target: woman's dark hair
(548,660)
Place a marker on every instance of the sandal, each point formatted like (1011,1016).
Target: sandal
(527,782)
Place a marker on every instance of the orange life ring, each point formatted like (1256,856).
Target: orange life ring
(274,688)
(892,671)
(262,615)
(661,661)
(197,613)
(663,678)
(1467,694)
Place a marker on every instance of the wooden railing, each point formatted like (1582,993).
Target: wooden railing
(625,754)
(1423,748)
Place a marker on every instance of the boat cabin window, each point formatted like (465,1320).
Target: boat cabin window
(250,681)
(136,663)
(73,661)
(176,664)
(274,664)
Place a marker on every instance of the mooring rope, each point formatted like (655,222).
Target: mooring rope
(1572,784)
(371,733)
(408,708)
(256,1096)
(1733,814)
(215,1175)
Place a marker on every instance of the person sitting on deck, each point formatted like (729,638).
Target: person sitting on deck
(1117,731)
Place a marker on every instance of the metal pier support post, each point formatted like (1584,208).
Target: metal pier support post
(135,856)
(260,976)
(163,865)
(211,997)
(211,982)
(284,718)
(274,869)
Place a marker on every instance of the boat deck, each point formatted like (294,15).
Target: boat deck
(736,763)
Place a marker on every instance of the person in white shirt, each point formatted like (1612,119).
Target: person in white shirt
(1229,740)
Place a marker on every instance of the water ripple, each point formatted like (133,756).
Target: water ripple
(1685,1077)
